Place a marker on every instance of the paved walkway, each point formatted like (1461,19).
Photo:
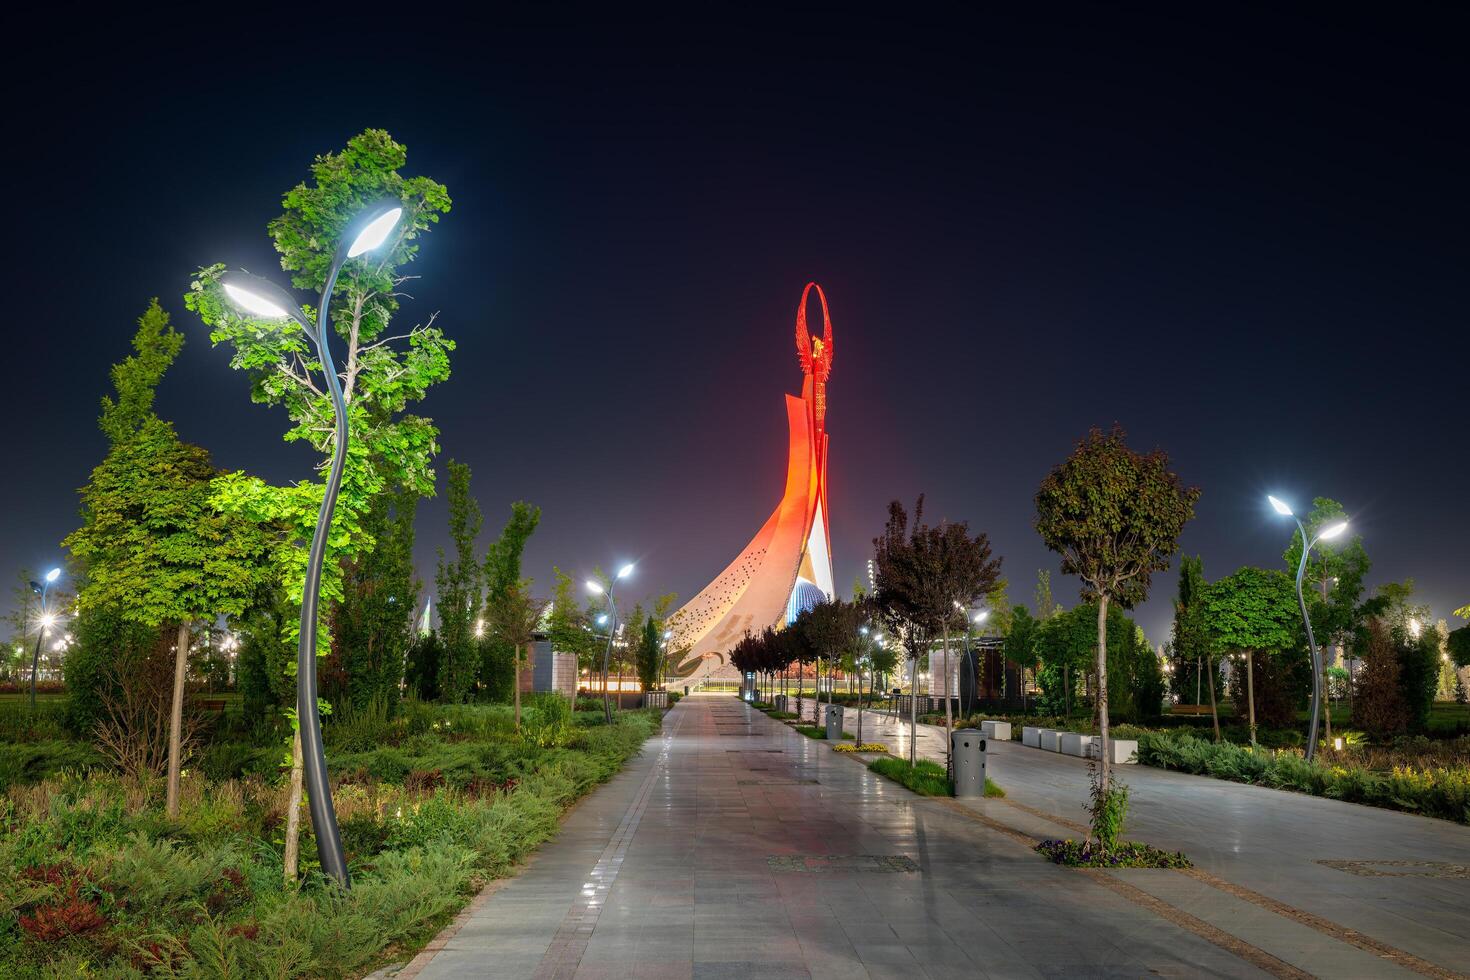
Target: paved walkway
(735,847)
(1398,879)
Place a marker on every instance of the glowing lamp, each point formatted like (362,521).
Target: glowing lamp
(1278,506)
(595,587)
(375,232)
(53,575)
(1333,531)
(981,615)
(625,571)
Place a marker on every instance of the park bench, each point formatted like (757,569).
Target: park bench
(216,705)
(1190,709)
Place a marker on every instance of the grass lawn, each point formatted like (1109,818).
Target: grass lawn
(927,778)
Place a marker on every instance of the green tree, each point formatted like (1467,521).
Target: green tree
(502,573)
(830,628)
(381,373)
(152,549)
(1458,646)
(1020,640)
(1253,612)
(374,621)
(459,585)
(422,666)
(648,654)
(1194,655)
(1115,516)
(514,616)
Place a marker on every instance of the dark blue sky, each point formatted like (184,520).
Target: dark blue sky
(1242,236)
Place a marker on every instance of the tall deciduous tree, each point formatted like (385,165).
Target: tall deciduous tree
(830,627)
(1115,516)
(153,548)
(922,573)
(459,585)
(381,373)
(1254,612)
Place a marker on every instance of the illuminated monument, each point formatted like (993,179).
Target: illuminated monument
(787,567)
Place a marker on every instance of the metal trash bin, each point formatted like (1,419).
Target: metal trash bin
(834,722)
(967,746)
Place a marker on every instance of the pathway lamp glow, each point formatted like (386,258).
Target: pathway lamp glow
(1326,534)
(264,299)
(596,588)
(47,620)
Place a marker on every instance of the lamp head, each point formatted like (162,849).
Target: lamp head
(53,575)
(48,620)
(602,619)
(1279,506)
(1333,530)
(626,570)
(374,227)
(594,587)
(982,615)
(260,298)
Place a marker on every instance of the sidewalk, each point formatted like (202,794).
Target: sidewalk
(735,847)
(1397,879)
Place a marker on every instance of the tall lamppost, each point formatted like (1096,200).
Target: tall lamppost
(264,299)
(663,672)
(595,587)
(41,588)
(1331,531)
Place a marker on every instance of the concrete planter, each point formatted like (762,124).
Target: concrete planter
(998,730)
(1124,751)
(1050,740)
(1031,737)
(1079,745)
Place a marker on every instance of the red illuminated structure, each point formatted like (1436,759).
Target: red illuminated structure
(787,566)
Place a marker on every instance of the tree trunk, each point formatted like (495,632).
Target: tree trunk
(1250,691)
(517,686)
(291,858)
(913,708)
(1067,689)
(176,722)
(1214,709)
(1102,690)
(861,702)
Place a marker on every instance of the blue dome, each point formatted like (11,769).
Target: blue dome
(803,597)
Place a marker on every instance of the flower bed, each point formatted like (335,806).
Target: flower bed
(865,747)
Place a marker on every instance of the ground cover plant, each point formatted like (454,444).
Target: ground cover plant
(433,802)
(812,731)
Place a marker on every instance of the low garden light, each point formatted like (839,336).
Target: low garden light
(262,298)
(1327,533)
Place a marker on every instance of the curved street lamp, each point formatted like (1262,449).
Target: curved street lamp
(595,587)
(47,619)
(1327,533)
(970,622)
(264,299)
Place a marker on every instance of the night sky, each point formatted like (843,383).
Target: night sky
(1242,239)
